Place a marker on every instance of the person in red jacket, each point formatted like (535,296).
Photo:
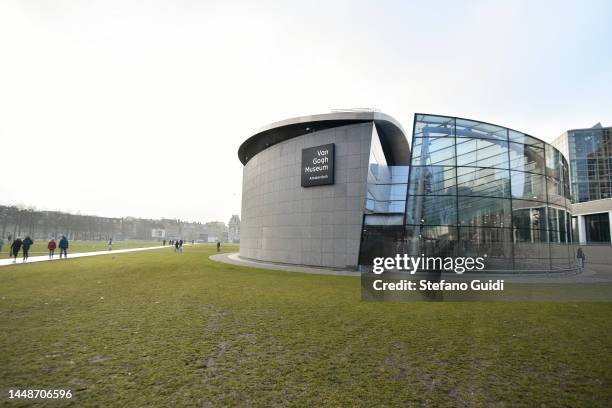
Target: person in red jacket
(51,247)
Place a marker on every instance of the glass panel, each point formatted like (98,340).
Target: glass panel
(380,241)
(561,256)
(399,174)
(528,186)
(383,174)
(433,180)
(437,240)
(555,191)
(482,153)
(388,206)
(526,158)
(483,182)
(598,227)
(529,215)
(471,129)
(433,151)
(434,126)
(494,244)
(531,250)
(378,219)
(484,211)
(522,138)
(553,162)
(553,218)
(432,210)
(530,235)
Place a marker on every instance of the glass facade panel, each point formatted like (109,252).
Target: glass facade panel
(482,153)
(488,182)
(524,139)
(590,155)
(434,151)
(598,228)
(432,210)
(380,240)
(495,244)
(484,211)
(526,158)
(529,215)
(433,180)
(386,187)
(472,129)
(431,240)
(528,186)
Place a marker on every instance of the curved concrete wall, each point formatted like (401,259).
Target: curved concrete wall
(318,226)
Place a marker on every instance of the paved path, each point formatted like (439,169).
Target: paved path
(592,274)
(234,259)
(45,258)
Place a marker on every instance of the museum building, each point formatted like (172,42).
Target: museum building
(339,189)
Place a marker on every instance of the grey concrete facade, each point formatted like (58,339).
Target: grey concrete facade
(316,226)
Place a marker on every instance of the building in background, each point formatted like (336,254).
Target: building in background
(589,152)
(158,233)
(340,189)
(41,225)
(233,227)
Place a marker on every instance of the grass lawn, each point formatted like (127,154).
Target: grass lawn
(163,329)
(40,246)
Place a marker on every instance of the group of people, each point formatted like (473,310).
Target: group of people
(178,246)
(25,244)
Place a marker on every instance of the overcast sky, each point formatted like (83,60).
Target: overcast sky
(120,108)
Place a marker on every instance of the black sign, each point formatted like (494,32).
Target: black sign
(318,165)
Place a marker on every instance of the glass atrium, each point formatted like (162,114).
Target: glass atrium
(472,189)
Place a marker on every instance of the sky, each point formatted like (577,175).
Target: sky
(137,108)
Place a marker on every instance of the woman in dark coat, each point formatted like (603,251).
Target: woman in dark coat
(26,244)
(15,247)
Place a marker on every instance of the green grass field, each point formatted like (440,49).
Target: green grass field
(40,246)
(163,329)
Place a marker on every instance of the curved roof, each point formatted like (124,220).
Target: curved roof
(392,135)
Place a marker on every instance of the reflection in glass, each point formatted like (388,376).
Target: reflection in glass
(472,129)
(433,151)
(530,215)
(488,182)
(432,180)
(494,244)
(436,240)
(432,210)
(526,158)
(482,153)
(378,240)
(484,211)
(528,186)
(522,138)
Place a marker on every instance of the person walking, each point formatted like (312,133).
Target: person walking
(110,244)
(176,246)
(181,245)
(581,257)
(15,247)
(51,247)
(26,244)
(1,244)
(164,242)
(63,245)
(218,246)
